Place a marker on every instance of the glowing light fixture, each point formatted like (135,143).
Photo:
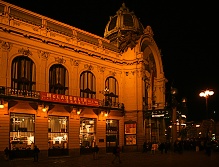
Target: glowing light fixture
(45,108)
(79,111)
(207,93)
(2,104)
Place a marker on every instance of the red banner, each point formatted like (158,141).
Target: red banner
(51,97)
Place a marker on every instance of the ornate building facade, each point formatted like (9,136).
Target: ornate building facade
(67,90)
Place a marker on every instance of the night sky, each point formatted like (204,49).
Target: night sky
(186,32)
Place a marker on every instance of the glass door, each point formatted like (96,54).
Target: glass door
(112,134)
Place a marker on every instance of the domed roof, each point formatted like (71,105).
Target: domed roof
(122,24)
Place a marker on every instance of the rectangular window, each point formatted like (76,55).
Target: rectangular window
(58,132)
(22,129)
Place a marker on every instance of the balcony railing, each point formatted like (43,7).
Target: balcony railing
(11,92)
(8,91)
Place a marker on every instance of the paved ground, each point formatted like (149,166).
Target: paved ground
(138,159)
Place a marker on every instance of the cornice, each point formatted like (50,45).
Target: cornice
(69,47)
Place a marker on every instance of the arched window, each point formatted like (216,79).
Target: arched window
(58,79)
(112,85)
(23,74)
(87,85)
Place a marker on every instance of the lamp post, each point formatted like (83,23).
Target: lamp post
(174,106)
(207,93)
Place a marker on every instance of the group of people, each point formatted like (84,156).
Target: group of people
(8,156)
(179,146)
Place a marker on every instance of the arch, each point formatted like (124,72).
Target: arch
(149,47)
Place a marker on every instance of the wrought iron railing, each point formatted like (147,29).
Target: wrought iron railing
(107,104)
(12,92)
(8,91)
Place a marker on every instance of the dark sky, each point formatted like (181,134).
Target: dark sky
(186,32)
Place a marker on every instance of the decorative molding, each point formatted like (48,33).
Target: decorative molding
(36,29)
(148,31)
(16,23)
(95,47)
(68,39)
(100,43)
(113,73)
(88,67)
(25,52)
(60,60)
(75,62)
(52,34)
(43,55)
(5,45)
(101,69)
(85,52)
(129,40)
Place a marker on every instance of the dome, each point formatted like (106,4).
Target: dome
(123,26)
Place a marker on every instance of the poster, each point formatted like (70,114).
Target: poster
(130,128)
(130,139)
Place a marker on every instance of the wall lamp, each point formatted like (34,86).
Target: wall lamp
(45,108)
(79,111)
(105,113)
(2,104)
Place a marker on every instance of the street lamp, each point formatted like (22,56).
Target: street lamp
(174,106)
(206,94)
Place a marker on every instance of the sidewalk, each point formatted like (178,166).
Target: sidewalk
(138,159)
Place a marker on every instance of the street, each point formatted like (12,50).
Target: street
(138,159)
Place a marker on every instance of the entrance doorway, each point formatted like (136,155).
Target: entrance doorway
(112,134)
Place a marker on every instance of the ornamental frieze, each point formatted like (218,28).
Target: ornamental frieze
(25,52)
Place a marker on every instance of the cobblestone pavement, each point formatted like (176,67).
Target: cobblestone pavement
(138,159)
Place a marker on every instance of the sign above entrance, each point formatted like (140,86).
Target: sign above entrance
(51,97)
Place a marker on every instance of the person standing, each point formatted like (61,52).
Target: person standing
(36,151)
(144,147)
(7,153)
(95,152)
(116,152)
